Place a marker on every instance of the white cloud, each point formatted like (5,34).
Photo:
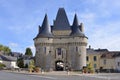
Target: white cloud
(12,44)
(106,36)
(87,15)
(24,21)
(15,47)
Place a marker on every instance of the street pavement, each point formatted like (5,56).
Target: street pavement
(5,75)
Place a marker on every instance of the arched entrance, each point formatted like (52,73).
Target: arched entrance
(59,65)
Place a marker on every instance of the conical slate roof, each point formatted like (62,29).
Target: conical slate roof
(75,28)
(45,30)
(61,22)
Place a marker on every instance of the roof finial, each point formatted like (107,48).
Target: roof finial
(46,10)
(75,11)
(89,46)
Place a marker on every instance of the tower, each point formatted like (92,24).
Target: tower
(61,45)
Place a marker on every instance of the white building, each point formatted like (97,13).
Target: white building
(0,60)
(117,62)
(9,61)
(27,59)
(61,45)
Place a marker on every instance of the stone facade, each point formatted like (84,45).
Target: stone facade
(117,62)
(60,48)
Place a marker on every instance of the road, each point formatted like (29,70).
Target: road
(17,76)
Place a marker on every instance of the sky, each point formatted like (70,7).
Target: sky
(19,20)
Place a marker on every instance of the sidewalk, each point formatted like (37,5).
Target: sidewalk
(49,73)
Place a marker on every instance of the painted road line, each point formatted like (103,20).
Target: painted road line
(46,77)
(102,77)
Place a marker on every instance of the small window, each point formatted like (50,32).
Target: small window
(104,62)
(76,49)
(44,49)
(59,51)
(95,65)
(95,58)
(118,63)
(87,58)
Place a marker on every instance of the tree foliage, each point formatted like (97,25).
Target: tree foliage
(28,52)
(2,65)
(26,66)
(20,63)
(90,68)
(6,50)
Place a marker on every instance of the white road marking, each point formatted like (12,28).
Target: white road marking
(47,77)
(102,77)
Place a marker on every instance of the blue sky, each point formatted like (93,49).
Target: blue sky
(19,20)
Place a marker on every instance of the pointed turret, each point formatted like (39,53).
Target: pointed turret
(76,22)
(45,30)
(61,22)
(75,28)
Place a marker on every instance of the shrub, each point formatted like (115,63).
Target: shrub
(31,66)
(2,65)
(90,68)
(37,69)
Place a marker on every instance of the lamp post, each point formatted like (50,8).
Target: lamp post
(67,67)
(50,60)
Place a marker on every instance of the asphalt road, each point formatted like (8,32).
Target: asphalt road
(16,76)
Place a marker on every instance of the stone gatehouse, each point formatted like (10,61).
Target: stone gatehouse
(61,45)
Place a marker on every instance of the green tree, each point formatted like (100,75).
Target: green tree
(26,65)
(6,50)
(1,47)
(28,52)
(20,63)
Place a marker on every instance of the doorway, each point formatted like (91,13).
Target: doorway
(59,65)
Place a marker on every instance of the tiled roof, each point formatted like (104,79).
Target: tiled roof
(7,58)
(110,55)
(16,54)
(91,51)
(26,57)
(61,22)
(75,28)
(101,50)
(45,30)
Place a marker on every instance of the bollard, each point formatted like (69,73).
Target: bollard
(68,72)
(42,72)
